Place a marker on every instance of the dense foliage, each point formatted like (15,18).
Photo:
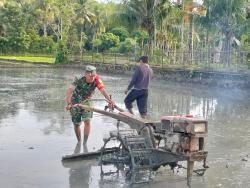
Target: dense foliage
(61,27)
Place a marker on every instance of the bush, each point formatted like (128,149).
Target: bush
(114,50)
(96,43)
(47,45)
(97,56)
(141,37)
(109,40)
(3,45)
(121,32)
(41,44)
(128,45)
(61,55)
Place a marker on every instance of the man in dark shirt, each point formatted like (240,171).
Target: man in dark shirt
(138,87)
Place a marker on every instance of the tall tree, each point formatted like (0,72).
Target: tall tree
(142,13)
(168,22)
(12,21)
(83,16)
(227,16)
(46,11)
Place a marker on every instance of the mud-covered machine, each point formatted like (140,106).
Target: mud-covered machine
(147,145)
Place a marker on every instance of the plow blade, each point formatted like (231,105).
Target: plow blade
(89,155)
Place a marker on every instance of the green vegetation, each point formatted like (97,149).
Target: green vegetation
(33,59)
(173,33)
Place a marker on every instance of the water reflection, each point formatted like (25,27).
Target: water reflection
(169,103)
(43,94)
(39,91)
(79,174)
(79,171)
(77,149)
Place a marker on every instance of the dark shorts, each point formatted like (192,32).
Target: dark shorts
(78,115)
(141,97)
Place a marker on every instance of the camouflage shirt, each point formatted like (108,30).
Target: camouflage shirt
(84,90)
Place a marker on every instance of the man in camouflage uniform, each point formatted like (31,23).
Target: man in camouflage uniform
(81,91)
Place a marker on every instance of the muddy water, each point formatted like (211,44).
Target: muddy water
(36,131)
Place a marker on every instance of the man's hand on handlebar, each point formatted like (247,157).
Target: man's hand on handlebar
(111,103)
(68,107)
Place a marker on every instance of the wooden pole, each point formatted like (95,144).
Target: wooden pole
(190,169)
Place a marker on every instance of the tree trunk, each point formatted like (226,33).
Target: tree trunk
(190,38)
(61,28)
(45,29)
(182,34)
(228,49)
(80,45)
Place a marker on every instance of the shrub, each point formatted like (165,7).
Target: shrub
(3,45)
(140,36)
(96,43)
(128,45)
(122,32)
(61,55)
(46,45)
(108,40)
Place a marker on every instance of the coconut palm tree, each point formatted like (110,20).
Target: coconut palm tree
(83,16)
(141,12)
(46,13)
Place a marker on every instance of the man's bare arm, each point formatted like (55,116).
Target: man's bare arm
(107,96)
(69,96)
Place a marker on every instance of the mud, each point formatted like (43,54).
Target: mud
(36,131)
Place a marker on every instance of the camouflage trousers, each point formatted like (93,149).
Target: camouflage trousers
(78,114)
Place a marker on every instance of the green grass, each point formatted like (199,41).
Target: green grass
(32,59)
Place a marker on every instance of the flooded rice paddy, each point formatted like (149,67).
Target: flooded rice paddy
(36,131)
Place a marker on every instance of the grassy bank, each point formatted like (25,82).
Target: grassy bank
(125,60)
(31,59)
